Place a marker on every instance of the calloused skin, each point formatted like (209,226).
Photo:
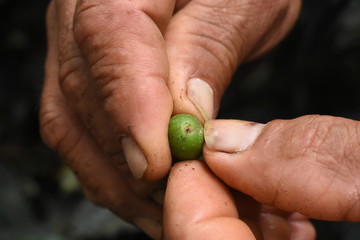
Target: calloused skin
(118,70)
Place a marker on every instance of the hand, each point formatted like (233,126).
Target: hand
(105,105)
(309,164)
(117,70)
(200,206)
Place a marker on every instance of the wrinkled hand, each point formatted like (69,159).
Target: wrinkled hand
(117,70)
(105,105)
(309,164)
(200,206)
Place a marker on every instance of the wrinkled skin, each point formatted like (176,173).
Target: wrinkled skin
(309,164)
(117,70)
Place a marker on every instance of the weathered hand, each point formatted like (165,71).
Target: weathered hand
(308,165)
(105,104)
(117,70)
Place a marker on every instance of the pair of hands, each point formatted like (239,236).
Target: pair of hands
(115,73)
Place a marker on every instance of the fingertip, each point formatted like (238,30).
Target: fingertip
(190,185)
(143,115)
(193,197)
(184,174)
(157,169)
(198,206)
(222,228)
(152,134)
(157,160)
(301,227)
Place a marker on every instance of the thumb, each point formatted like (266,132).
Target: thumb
(127,102)
(308,164)
(207,40)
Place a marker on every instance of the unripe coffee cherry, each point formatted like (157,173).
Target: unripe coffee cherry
(186,137)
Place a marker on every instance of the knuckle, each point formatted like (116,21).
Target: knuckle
(108,67)
(301,137)
(51,128)
(111,64)
(228,27)
(71,77)
(273,8)
(145,97)
(215,31)
(328,135)
(84,5)
(218,45)
(316,131)
(92,17)
(327,140)
(318,136)
(55,132)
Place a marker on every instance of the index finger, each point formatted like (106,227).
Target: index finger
(199,206)
(120,87)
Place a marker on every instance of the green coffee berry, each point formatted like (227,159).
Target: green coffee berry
(186,137)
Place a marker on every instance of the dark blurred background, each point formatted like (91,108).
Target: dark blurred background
(316,69)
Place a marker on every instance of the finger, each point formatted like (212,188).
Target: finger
(307,165)
(294,225)
(198,206)
(79,91)
(63,131)
(301,227)
(119,82)
(74,80)
(207,40)
(271,221)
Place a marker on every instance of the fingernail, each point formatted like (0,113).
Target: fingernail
(150,227)
(201,94)
(134,157)
(231,135)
